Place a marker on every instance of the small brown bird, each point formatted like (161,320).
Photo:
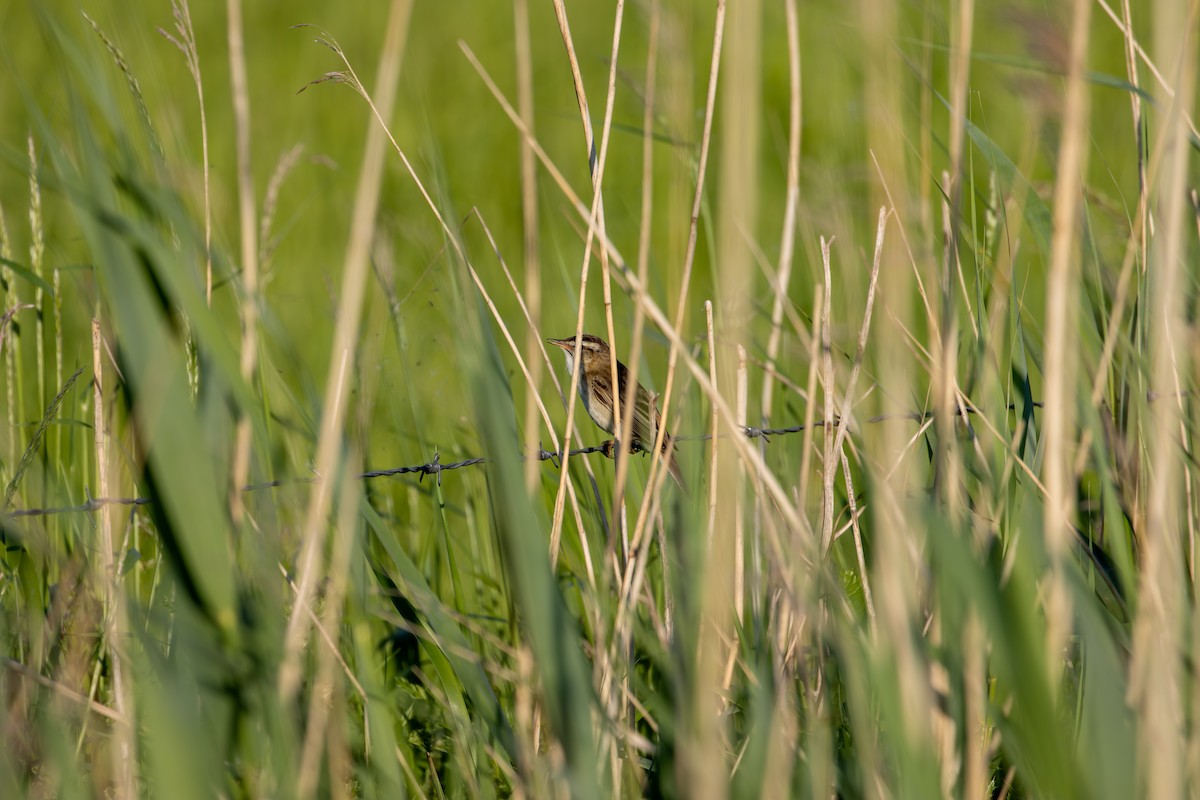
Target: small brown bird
(595,387)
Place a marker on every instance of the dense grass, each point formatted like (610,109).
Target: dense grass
(952,247)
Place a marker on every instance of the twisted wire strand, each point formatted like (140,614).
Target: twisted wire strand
(436,467)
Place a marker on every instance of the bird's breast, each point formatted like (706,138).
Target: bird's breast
(601,413)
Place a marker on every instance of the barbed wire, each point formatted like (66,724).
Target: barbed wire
(436,467)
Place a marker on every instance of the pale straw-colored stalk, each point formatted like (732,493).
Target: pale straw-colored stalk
(11,373)
(531,253)
(247,217)
(636,556)
(528,371)
(354,278)
(326,695)
(643,253)
(705,768)
(664,405)
(37,249)
(1159,639)
(643,267)
(112,595)
(945,376)
(713,467)
(1163,81)
(787,241)
(828,468)
(596,227)
(1061,338)
(739,497)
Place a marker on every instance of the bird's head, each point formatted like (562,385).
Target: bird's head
(591,348)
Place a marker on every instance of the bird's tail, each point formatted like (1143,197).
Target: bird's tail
(668,446)
(671,456)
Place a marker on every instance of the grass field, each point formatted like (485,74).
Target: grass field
(938,260)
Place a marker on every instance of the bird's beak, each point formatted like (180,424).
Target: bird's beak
(565,344)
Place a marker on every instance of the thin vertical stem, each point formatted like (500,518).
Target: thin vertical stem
(110,592)
(1160,639)
(739,522)
(716,424)
(11,374)
(828,465)
(787,243)
(249,233)
(1061,290)
(529,223)
(354,279)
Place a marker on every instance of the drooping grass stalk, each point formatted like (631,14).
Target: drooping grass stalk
(1124,26)
(131,83)
(36,440)
(185,40)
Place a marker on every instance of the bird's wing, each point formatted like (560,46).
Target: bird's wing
(645,423)
(645,416)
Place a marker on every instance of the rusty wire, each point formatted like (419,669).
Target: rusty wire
(436,467)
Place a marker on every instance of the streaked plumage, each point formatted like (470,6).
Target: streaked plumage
(595,389)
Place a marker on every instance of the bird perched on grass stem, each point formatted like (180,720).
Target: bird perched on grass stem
(595,387)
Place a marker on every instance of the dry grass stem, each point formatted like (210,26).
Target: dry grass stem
(713,465)
(529,227)
(594,221)
(644,225)
(111,591)
(828,435)
(1156,681)
(1060,334)
(690,254)
(787,242)
(1124,26)
(844,416)
(249,244)
(354,279)
(324,693)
